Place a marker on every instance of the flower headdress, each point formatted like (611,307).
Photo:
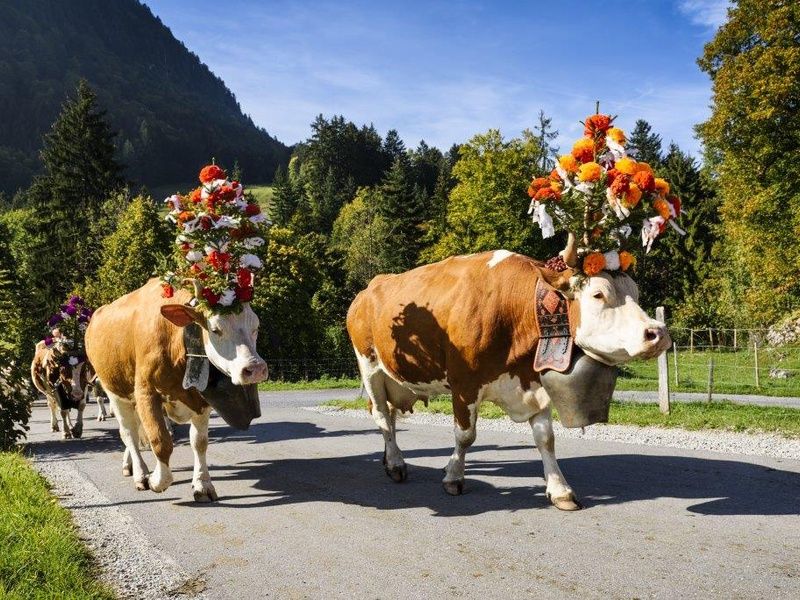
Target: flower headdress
(595,193)
(219,233)
(66,329)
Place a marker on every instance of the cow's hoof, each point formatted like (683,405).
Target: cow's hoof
(67,434)
(454,488)
(143,485)
(54,428)
(398,473)
(568,502)
(160,479)
(101,418)
(127,471)
(77,431)
(205,492)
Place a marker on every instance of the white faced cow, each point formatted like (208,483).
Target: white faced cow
(136,345)
(467,326)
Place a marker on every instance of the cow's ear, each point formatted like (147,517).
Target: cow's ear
(181,315)
(558,279)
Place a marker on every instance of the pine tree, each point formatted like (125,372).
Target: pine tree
(644,145)
(545,134)
(401,204)
(284,198)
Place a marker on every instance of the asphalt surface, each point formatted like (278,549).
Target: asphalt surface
(305,511)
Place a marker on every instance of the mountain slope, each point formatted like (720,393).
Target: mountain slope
(172,112)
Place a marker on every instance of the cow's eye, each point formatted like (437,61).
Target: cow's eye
(598,295)
(216,331)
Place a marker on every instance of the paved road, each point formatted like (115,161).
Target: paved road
(305,511)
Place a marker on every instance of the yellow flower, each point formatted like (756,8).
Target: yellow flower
(632,196)
(662,187)
(643,166)
(590,171)
(626,260)
(568,163)
(626,166)
(616,134)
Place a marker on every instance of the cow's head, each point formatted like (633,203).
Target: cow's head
(613,327)
(65,370)
(229,340)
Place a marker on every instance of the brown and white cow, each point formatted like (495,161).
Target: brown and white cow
(65,381)
(136,346)
(467,326)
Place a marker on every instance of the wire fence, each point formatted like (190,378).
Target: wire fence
(302,369)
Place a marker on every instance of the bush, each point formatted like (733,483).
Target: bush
(16,397)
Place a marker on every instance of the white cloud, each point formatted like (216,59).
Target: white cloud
(706,13)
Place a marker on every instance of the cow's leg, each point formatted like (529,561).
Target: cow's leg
(65,420)
(77,429)
(151,415)
(384,416)
(558,490)
(132,461)
(53,406)
(198,437)
(465,415)
(101,406)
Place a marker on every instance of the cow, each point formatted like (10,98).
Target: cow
(466,326)
(136,345)
(65,380)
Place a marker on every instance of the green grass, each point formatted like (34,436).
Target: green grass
(262,193)
(734,372)
(686,415)
(40,553)
(324,383)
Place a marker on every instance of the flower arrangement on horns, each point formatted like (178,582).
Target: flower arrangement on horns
(219,235)
(66,329)
(598,193)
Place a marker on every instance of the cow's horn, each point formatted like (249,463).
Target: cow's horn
(197,287)
(570,252)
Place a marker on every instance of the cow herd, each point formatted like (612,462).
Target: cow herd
(478,327)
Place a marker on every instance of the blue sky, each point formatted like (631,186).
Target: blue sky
(443,71)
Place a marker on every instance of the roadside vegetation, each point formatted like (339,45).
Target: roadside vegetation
(323,383)
(40,553)
(725,416)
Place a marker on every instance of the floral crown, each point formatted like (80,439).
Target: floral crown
(594,193)
(219,234)
(67,326)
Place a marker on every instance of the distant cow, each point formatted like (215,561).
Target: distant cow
(65,381)
(136,345)
(467,326)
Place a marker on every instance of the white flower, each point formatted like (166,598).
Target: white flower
(181,239)
(585,187)
(226,221)
(194,256)
(625,231)
(612,260)
(253,242)
(73,360)
(650,229)
(227,297)
(192,226)
(250,261)
(176,202)
(259,218)
(616,148)
(619,209)
(544,220)
(240,203)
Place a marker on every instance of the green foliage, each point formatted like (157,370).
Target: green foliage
(42,555)
(644,145)
(487,208)
(129,254)
(172,113)
(16,397)
(754,136)
(545,134)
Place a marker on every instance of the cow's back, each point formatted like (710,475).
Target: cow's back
(38,375)
(130,337)
(449,319)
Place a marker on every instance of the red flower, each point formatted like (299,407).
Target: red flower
(196,196)
(244,277)
(206,222)
(168,290)
(210,173)
(244,294)
(645,180)
(676,204)
(620,185)
(210,296)
(219,260)
(611,175)
(196,268)
(596,124)
(252,209)
(226,193)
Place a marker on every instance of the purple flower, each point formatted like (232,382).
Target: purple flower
(83,318)
(76,300)
(48,341)
(71,310)
(55,320)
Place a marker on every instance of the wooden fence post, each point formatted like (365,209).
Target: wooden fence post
(710,339)
(734,339)
(755,354)
(675,361)
(663,372)
(691,341)
(710,377)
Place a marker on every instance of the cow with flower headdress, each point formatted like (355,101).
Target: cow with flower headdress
(522,333)
(61,371)
(186,342)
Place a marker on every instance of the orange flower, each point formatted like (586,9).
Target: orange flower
(210,173)
(616,134)
(554,176)
(643,166)
(620,184)
(645,180)
(626,260)
(537,184)
(593,263)
(568,163)
(595,124)
(632,197)
(626,165)
(676,204)
(556,186)
(547,193)
(196,197)
(583,150)
(662,187)
(662,208)
(590,171)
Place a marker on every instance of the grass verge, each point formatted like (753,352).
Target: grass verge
(324,383)
(724,416)
(40,553)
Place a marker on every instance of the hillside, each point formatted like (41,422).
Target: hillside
(172,113)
